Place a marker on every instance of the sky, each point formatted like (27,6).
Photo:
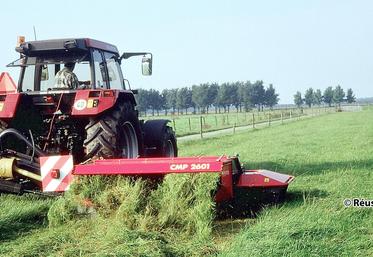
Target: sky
(292,44)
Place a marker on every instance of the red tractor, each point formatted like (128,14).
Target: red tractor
(97,120)
(49,134)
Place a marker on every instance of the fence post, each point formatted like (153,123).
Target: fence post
(227,119)
(291,114)
(201,130)
(190,127)
(282,118)
(216,121)
(234,128)
(253,120)
(173,123)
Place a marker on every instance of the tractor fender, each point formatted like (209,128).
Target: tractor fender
(9,104)
(153,132)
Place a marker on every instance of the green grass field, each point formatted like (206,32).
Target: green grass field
(331,157)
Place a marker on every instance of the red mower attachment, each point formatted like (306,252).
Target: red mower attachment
(234,180)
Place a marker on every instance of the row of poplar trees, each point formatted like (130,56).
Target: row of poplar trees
(330,96)
(201,98)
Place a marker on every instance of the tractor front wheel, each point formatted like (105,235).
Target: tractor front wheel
(159,140)
(168,144)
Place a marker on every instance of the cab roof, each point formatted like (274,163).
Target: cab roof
(40,47)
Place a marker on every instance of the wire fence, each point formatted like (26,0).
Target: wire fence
(199,124)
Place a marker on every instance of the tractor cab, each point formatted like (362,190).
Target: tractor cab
(97,64)
(63,117)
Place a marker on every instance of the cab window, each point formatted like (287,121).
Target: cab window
(47,76)
(83,72)
(28,78)
(114,74)
(99,68)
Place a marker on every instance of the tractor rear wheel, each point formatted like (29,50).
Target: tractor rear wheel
(115,133)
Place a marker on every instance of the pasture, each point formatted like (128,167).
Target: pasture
(330,155)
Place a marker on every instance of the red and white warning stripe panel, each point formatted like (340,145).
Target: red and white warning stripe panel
(56,172)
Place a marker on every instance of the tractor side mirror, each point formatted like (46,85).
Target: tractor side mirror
(146,65)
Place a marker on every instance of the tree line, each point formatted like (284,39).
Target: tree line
(329,97)
(243,95)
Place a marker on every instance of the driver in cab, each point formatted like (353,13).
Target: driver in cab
(66,78)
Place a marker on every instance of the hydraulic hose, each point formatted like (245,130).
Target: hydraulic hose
(18,135)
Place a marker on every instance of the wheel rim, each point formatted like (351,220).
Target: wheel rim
(169,149)
(130,145)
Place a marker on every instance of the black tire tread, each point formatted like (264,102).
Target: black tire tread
(103,132)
